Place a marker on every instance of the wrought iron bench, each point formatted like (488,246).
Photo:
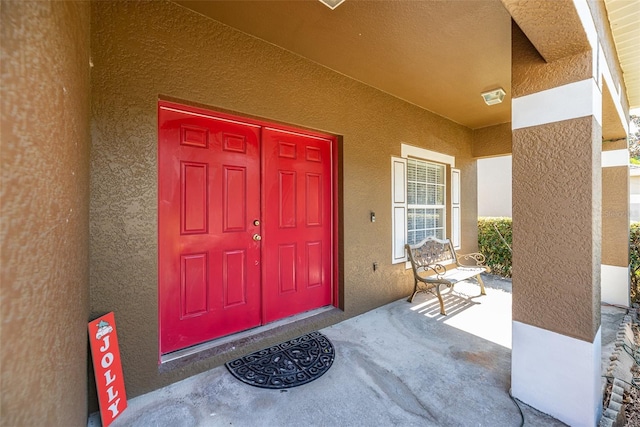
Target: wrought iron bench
(435,263)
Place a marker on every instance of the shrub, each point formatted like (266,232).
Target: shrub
(491,245)
(634,260)
(499,256)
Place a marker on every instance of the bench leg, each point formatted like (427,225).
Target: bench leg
(415,291)
(479,279)
(439,295)
(410,299)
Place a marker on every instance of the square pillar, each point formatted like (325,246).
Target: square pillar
(615,223)
(557,212)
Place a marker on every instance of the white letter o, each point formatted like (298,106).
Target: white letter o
(107,360)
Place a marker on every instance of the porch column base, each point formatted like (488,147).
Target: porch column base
(557,374)
(615,285)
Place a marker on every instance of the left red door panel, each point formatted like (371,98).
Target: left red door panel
(208,212)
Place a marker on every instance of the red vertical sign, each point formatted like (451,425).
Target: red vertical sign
(107,368)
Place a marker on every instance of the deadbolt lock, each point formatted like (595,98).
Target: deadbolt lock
(256,222)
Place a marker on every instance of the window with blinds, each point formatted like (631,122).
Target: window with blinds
(425,200)
(419,199)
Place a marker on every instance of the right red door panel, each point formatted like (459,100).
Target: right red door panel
(297,229)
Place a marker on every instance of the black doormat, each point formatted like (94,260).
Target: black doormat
(290,364)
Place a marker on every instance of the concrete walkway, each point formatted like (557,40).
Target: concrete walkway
(399,365)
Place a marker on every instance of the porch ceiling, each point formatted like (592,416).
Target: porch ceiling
(624,18)
(439,55)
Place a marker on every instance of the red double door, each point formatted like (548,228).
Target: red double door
(245,224)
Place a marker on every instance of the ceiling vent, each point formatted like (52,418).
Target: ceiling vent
(332,4)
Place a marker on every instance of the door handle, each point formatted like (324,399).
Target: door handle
(257,237)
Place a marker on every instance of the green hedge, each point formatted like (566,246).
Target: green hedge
(499,256)
(493,247)
(634,260)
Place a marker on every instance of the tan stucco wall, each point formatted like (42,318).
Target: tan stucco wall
(492,141)
(557,204)
(613,126)
(562,53)
(615,216)
(615,210)
(145,50)
(617,144)
(530,73)
(553,27)
(556,227)
(44,210)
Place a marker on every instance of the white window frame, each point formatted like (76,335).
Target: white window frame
(398,209)
(399,197)
(441,208)
(456,211)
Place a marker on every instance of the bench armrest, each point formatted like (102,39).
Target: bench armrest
(475,259)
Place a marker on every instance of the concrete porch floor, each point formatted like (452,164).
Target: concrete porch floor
(401,364)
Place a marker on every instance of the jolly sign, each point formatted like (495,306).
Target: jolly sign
(107,368)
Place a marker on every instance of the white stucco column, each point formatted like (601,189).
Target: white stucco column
(615,223)
(557,224)
(556,243)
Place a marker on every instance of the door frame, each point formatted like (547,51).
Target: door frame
(335,146)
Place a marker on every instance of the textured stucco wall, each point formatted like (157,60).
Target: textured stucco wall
(615,213)
(561,51)
(556,227)
(492,141)
(557,203)
(44,209)
(145,50)
(617,144)
(613,126)
(530,73)
(553,27)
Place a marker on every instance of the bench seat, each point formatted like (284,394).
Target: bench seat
(459,274)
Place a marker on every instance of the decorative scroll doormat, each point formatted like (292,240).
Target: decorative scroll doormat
(290,364)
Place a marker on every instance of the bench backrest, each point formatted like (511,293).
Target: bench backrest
(431,251)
